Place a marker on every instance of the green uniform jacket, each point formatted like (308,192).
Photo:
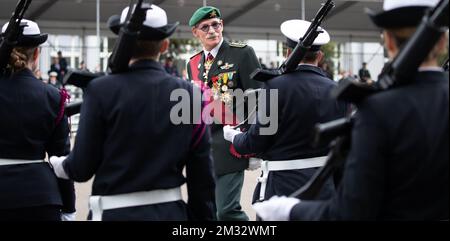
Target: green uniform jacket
(238,61)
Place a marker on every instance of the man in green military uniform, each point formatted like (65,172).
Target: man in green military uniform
(221,68)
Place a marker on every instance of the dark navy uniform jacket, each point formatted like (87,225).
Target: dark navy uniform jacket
(243,62)
(303,101)
(126,138)
(398,166)
(28,130)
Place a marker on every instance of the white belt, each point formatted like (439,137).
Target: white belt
(5,162)
(267,166)
(99,203)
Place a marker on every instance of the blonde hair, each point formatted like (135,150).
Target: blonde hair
(20,57)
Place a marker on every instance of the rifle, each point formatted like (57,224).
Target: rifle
(399,72)
(72,108)
(304,44)
(11,35)
(128,36)
(120,57)
(405,65)
(80,79)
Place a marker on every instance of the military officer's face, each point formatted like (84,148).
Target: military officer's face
(209,32)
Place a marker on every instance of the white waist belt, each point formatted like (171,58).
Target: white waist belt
(4,162)
(268,166)
(99,203)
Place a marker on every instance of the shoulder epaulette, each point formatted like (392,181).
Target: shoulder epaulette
(196,54)
(238,44)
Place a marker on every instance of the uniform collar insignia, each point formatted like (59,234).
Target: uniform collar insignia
(237,44)
(227,66)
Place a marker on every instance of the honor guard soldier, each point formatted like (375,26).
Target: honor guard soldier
(32,124)
(289,160)
(126,138)
(398,165)
(221,68)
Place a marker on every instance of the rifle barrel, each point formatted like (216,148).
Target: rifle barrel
(410,57)
(291,63)
(307,39)
(11,34)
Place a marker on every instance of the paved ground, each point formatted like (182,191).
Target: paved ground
(83,191)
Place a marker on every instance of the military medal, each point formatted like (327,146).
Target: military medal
(224,88)
(230,75)
(226,98)
(219,62)
(225,78)
(208,63)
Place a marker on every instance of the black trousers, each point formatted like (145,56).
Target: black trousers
(38,213)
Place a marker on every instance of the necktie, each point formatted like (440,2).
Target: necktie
(210,57)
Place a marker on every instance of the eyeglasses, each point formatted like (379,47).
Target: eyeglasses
(214,25)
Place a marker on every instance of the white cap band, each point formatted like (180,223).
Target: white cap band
(31,29)
(156,17)
(295,29)
(394,4)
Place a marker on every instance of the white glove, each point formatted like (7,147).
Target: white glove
(254,163)
(276,208)
(68,216)
(57,162)
(229,133)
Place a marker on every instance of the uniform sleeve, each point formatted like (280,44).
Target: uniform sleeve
(254,141)
(87,154)
(200,175)
(361,190)
(249,64)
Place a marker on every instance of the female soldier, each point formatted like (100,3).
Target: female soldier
(32,124)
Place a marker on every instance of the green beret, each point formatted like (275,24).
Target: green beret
(206,12)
